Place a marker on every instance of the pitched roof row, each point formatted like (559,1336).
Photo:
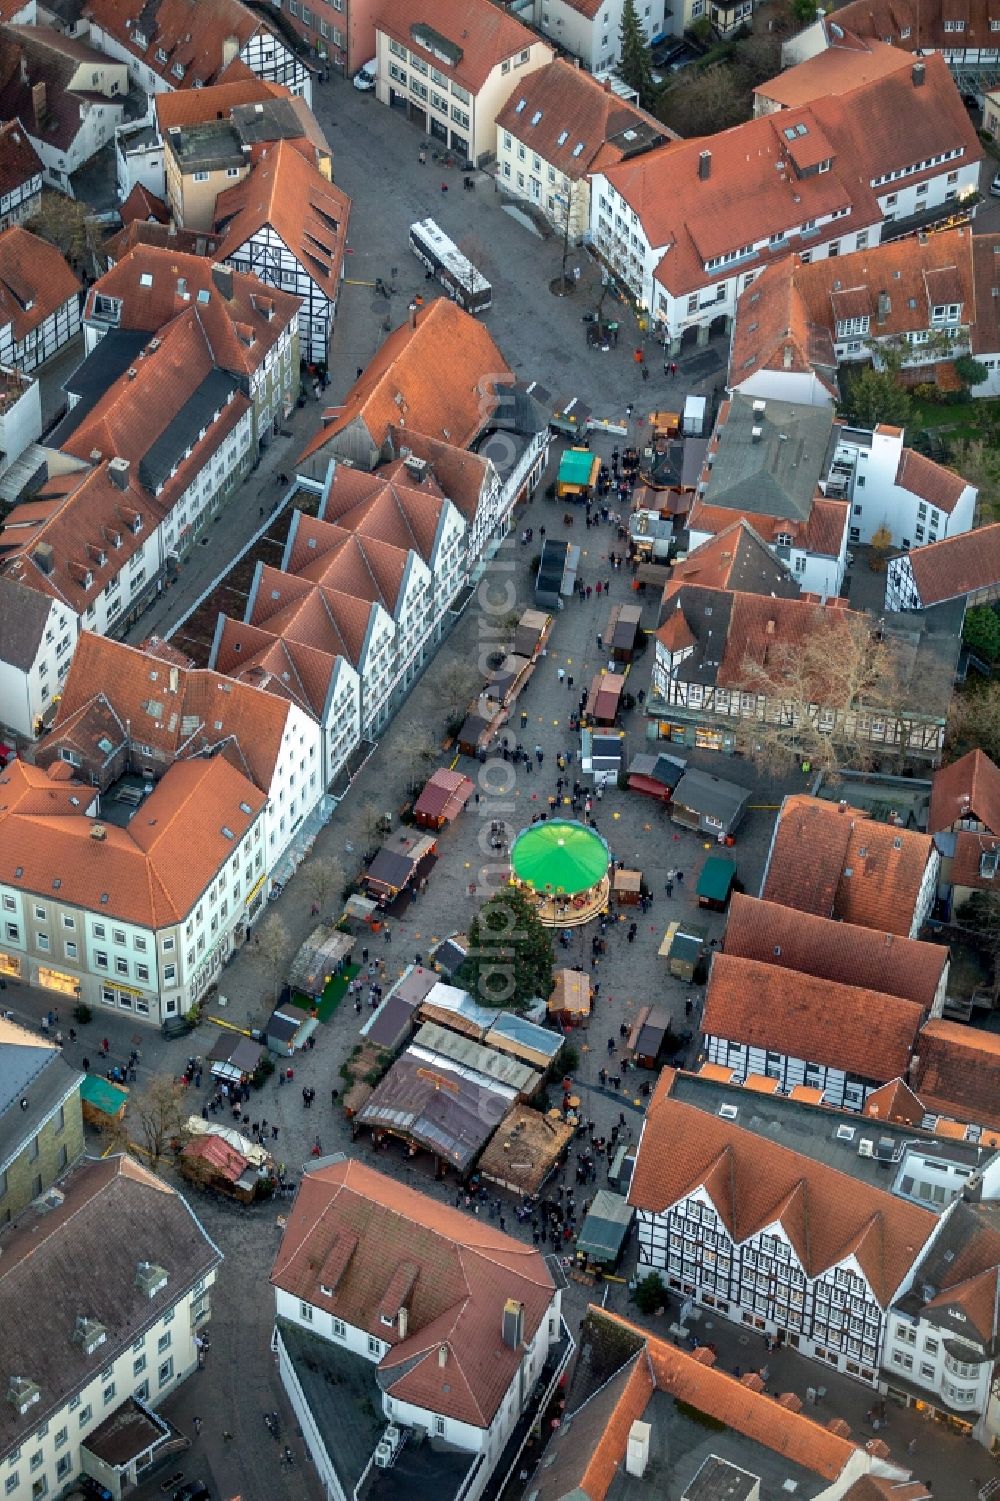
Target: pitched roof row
(859,871)
(957,566)
(761,179)
(362,1247)
(752,1182)
(841,952)
(957,1072)
(19,162)
(35,281)
(842,1026)
(196,41)
(151,873)
(466,40)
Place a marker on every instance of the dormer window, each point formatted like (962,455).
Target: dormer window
(150,1278)
(89,1334)
(22,1394)
(161,56)
(140,40)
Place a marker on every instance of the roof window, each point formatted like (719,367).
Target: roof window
(146,279)
(536,117)
(578,149)
(521,104)
(563,138)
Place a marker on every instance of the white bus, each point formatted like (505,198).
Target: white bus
(444,260)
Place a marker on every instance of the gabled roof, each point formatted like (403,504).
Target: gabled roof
(191,36)
(24,615)
(843,953)
(469,38)
(754,1182)
(64,1265)
(452,1273)
(19,161)
(569,119)
(774,330)
(820,533)
(288,193)
(151,873)
(957,565)
(455,472)
(862,1032)
(913,27)
(967,790)
(858,871)
(735,558)
(34,281)
(182,107)
(164,236)
(180,712)
(240,317)
(437,374)
(835,71)
(894,1102)
(33,55)
(768,457)
(939,486)
(34,1070)
(144,205)
(957,1072)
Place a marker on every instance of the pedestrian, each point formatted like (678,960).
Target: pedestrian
(274,1133)
(444,187)
(561,674)
(388,935)
(673,367)
(227,1437)
(197,1425)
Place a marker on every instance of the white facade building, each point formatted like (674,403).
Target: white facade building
(895,489)
(37,636)
(591,31)
(139,159)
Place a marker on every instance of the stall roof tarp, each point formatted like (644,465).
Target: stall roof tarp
(241,1053)
(437,1104)
(508,679)
(282,1027)
(452,1001)
(391,1024)
(102,1094)
(686,944)
(390,868)
(711,796)
(218,1155)
(444,796)
(666,770)
(530,631)
(525,1148)
(510,1031)
(359,906)
(605,691)
(716,880)
(576,467)
(622,627)
(603,1232)
(571,992)
(195,1126)
(501,1068)
(649,1032)
(318,957)
(416,984)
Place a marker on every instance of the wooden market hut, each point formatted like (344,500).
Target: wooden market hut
(444,796)
(531,633)
(577,476)
(647,1036)
(621,633)
(684,950)
(392,870)
(102,1101)
(570,998)
(627,887)
(604,697)
(524,1150)
(326,948)
(716,882)
(604,1232)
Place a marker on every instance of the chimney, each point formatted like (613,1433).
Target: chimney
(230,50)
(118,473)
(513,1324)
(756,433)
(918,73)
(704,165)
(637,1453)
(182,288)
(98,832)
(39,103)
(44,557)
(403,1322)
(442,1355)
(842,806)
(223,279)
(412,310)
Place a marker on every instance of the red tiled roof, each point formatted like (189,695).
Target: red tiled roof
(142,204)
(957,565)
(896,1102)
(914,26)
(460,1272)
(826,1215)
(435,375)
(574,111)
(957,1072)
(968,789)
(287,192)
(205,709)
(194,37)
(822,1021)
(483,34)
(34,281)
(822,533)
(844,953)
(773,330)
(940,487)
(154,286)
(37,55)
(836,70)
(164,236)
(154,871)
(967,862)
(858,870)
(19,161)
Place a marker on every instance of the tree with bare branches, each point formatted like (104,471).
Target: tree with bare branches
(323,878)
(456,686)
(273,943)
(154,1115)
(821,695)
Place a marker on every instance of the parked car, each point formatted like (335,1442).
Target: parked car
(995,186)
(93,1489)
(177,1026)
(193,1490)
(364,78)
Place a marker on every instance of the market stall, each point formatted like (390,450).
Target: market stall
(103,1102)
(604,697)
(627,887)
(621,634)
(647,1036)
(604,1232)
(577,476)
(716,882)
(524,1150)
(570,998)
(708,804)
(531,633)
(684,951)
(321,956)
(234,1058)
(392,870)
(444,796)
(656,776)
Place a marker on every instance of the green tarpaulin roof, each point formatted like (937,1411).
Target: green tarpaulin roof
(559,856)
(575,466)
(604,1229)
(102,1094)
(717,876)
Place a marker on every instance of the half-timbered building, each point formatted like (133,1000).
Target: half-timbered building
(39,300)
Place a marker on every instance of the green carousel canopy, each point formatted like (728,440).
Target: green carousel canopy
(559,857)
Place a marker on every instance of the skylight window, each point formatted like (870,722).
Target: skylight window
(563,138)
(578,149)
(521,104)
(536,117)
(146,279)
(203,295)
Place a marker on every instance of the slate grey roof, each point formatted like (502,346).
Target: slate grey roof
(777,474)
(703,793)
(81,1260)
(32,1070)
(119,349)
(23,615)
(183,428)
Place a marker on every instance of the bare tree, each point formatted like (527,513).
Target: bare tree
(419,750)
(155,1114)
(323,878)
(979,465)
(373,824)
(704,101)
(273,943)
(974,721)
(456,686)
(881,547)
(66,224)
(821,695)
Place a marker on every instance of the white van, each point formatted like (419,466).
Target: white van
(364,78)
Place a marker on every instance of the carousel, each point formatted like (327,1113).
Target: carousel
(562,866)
